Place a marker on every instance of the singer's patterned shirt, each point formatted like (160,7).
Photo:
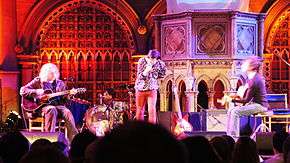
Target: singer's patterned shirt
(149,82)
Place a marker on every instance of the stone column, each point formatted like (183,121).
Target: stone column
(233,34)
(157,29)
(194,109)
(211,99)
(8,62)
(190,103)
(261,34)
(163,101)
(8,35)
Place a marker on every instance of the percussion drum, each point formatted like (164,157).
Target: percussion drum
(117,113)
(97,120)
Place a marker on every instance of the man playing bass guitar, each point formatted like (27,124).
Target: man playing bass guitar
(48,79)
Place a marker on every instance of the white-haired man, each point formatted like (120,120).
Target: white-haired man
(48,79)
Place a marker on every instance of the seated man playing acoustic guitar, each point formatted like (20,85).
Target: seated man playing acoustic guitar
(254,100)
(48,79)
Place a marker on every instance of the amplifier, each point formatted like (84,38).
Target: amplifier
(216,120)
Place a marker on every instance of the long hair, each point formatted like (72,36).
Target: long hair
(45,69)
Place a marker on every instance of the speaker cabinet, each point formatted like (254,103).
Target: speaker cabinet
(164,119)
(216,120)
(264,141)
(51,136)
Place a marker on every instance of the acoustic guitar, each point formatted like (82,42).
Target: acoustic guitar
(31,104)
(239,95)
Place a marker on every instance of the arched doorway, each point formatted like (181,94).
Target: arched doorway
(278,46)
(182,96)
(97,43)
(219,89)
(169,96)
(202,97)
(280,72)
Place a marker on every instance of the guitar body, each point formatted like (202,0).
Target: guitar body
(181,126)
(180,123)
(240,94)
(31,104)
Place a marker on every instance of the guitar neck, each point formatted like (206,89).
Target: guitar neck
(177,105)
(58,94)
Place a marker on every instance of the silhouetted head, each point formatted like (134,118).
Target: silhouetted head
(39,144)
(44,155)
(231,143)
(286,149)
(13,145)
(245,151)
(200,150)
(79,145)
(61,146)
(278,140)
(139,142)
(222,148)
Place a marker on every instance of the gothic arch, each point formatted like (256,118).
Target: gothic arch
(158,8)
(218,88)
(94,37)
(204,78)
(224,80)
(273,20)
(182,95)
(277,46)
(165,81)
(179,79)
(43,10)
(202,96)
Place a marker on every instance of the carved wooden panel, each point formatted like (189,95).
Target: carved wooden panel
(246,44)
(174,42)
(211,39)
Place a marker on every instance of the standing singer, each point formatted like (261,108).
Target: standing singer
(150,68)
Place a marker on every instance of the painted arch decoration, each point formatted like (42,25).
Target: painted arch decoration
(91,44)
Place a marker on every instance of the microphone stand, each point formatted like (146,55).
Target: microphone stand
(174,85)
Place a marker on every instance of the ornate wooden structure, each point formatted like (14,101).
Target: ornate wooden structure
(205,48)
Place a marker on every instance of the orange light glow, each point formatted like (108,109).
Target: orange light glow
(1,34)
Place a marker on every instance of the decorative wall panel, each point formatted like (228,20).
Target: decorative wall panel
(279,78)
(92,47)
(211,39)
(174,40)
(246,39)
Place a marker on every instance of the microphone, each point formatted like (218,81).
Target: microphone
(100,96)
(69,78)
